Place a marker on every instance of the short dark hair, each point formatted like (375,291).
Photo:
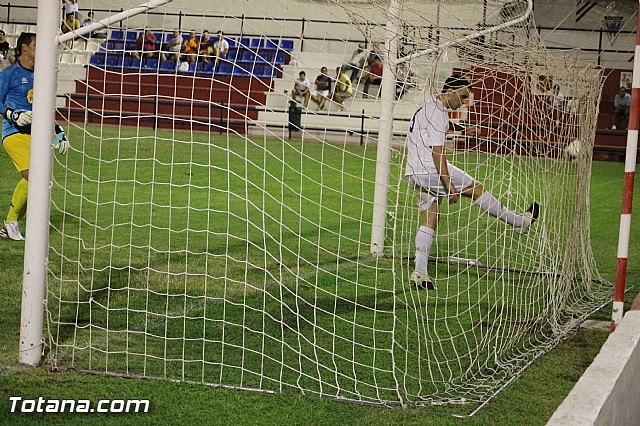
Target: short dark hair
(455,82)
(302,73)
(25,38)
(205,31)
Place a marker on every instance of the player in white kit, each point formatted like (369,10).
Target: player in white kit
(434,178)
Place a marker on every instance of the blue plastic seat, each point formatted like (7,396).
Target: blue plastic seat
(132,35)
(231,55)
(117,35)
(286,45)
(151,64)
(134,64)
(240,71)
(97,60)
(265,57)
(112,60)
(117,45)
(225,68)
(280,58)
(167,66)
(248,56)
(257,43)
(244,41)
(272,44)
(208,68)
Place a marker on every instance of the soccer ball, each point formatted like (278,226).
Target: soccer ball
(574,150)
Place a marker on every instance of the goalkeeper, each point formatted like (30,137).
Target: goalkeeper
(16,98)
(434,178)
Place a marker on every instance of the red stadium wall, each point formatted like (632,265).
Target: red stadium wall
(177,101)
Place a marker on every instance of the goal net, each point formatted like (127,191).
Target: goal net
(208,228)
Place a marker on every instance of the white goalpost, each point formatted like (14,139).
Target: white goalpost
(208,227)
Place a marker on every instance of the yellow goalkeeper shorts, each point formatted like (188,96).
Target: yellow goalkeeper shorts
(17,146)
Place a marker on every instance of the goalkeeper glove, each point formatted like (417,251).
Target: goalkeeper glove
(62,143)
(19,118)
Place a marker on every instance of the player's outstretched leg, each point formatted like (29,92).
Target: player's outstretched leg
(424,240)
(530,216)
(493,207)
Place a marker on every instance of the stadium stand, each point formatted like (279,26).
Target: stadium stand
(207,97)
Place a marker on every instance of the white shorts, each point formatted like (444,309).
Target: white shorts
(429,187)
(324,93)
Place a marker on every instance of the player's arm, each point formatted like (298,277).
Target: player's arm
(440,162)
(20,118)
(470,131)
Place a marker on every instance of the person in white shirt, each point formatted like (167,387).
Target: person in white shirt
(434,178)
(71,6)
(302,87)
(220,48)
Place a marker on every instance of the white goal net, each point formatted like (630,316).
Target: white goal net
(208,228)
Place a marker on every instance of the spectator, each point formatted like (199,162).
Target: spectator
(4,46)
(405,79)
(70,23)
(88,21)
(375,52)
(190,47)
(173,47)
(622,105)
(302,87)
(356,63)
(145,44)
(71,6)
(323,88)
(205,47)
(13,56)
(344,87)
(372,75)
(220,47)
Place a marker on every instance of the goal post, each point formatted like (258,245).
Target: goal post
(39,196)
(631,155)
(211,227)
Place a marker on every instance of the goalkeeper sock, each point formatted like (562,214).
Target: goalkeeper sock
(491,205)
(18,206)
(424,239)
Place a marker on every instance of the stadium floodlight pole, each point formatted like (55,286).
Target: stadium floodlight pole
(40,168)
(627,191)
(385,131)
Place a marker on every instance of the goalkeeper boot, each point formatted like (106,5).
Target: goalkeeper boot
(422,280)
(530,216)
(13,231)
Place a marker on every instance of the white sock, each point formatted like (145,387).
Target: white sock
(424,239)
(491,205)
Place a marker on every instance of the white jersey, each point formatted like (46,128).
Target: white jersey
(302,85)
(428,128)
(221,45)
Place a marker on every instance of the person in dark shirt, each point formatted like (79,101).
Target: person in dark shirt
(4,45)
(205,47)
(323,88)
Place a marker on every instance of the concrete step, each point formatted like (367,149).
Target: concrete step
(323,120)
